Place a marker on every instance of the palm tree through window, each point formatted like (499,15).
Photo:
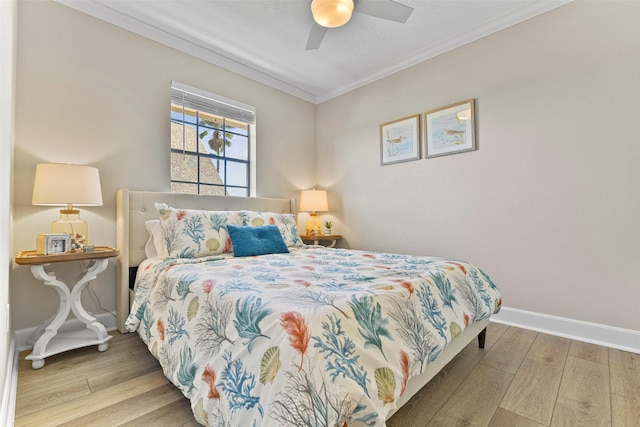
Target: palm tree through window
(209,151)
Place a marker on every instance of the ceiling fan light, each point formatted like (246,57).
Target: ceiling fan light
(332,13)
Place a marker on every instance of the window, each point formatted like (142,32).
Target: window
(211,139)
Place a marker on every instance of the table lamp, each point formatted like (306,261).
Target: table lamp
(67,185)
(313,201)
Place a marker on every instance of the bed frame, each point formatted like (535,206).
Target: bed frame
(136,207)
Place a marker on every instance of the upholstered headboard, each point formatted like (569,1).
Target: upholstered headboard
(136,207)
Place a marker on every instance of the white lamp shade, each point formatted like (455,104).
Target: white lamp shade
(332,13)
(62,184)
(314,201)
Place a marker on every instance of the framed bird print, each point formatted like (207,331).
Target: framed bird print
(450,129)
(400,140)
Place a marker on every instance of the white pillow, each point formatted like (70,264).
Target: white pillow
(149,248)
(155,245)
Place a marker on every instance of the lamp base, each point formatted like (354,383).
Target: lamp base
(70,223)
(313,225)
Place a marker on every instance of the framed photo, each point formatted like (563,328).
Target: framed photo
(400,140)
(450,129)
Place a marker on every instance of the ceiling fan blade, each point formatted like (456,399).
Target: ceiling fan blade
(385,9)
(316,35)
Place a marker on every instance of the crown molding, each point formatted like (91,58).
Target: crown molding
(239,66)
(452,43)
(183,44)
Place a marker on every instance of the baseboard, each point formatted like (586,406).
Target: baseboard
(8,404)
(595,333)
(24,337)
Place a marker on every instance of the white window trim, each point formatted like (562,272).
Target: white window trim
(246,109)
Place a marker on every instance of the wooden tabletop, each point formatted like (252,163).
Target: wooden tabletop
(32,258)
(322,237)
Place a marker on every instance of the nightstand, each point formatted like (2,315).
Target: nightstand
(331,238)
(50,341)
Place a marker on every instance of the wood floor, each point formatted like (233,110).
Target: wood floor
(521,378)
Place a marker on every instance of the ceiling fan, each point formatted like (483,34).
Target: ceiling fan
(335,13)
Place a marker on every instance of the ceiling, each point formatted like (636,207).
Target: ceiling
(265,39)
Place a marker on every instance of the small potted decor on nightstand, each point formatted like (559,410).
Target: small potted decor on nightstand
(327,227)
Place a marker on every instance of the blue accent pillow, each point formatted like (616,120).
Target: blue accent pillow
(251,241)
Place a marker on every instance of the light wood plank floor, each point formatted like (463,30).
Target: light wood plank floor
(521,378)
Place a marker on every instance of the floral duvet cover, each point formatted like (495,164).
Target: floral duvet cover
(315,337)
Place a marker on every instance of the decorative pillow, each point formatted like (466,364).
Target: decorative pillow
(286,223)
(252,241)
(189,233)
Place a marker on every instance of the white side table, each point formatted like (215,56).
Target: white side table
(50,340)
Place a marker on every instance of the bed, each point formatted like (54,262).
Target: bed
(308,336)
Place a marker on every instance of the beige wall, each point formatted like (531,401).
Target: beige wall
(91,93)
(549,205)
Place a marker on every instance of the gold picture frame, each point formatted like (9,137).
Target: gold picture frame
(450,129)
(400,140)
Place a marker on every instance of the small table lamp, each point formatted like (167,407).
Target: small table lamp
(67,185)
(313,201)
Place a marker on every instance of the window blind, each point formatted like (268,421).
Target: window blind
(201,100)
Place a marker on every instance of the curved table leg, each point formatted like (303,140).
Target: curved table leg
(97,267)
(50,329)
